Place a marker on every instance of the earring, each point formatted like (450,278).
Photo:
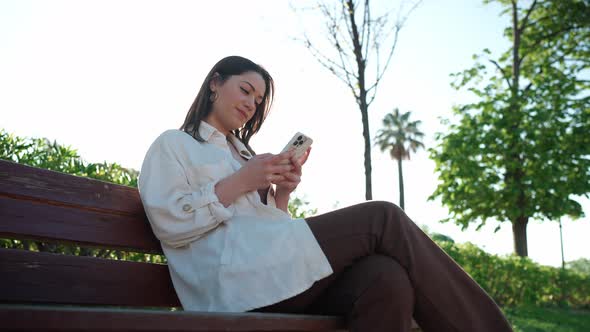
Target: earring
(213,96)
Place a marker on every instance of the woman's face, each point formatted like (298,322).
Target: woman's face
(236,102)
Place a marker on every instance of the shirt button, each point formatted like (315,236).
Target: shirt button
(186,207)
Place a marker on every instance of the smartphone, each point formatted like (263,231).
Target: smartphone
(300,142)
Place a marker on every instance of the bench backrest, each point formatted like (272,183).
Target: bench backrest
(42,205)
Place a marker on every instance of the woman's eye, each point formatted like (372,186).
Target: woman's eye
(244,90)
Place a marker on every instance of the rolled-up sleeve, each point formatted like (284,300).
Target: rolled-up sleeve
(206,196)
(179,212)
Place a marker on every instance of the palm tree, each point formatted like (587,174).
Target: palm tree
(399,136)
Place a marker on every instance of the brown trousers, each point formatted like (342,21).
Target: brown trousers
(386,270)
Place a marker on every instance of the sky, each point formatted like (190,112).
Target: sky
(107,77)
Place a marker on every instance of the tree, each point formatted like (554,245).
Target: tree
(359,41)
(42,153)
(521,151)
(399,136)
(581,265)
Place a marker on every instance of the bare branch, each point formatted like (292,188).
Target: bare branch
(396,29)
(343,60)
(506,77)
(366,39)
(343,78)
(526,17)
(403,20)
(360,60)
(330,64)
(342,52)
(380,75)
(347,23)
(366,19)
(333,36)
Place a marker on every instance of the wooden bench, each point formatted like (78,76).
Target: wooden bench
(49,291)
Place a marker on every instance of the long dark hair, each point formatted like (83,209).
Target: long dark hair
(201,107)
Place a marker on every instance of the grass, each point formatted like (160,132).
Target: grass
(534,319)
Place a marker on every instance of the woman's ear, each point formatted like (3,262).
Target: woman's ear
(214,82)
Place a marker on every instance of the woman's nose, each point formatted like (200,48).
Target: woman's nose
(251,104)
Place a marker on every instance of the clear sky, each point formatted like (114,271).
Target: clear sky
(107,77)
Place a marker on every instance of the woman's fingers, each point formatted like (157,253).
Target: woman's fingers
(275,178)
(296,165)
(305,156)
(279,169)
(293,177)
(289,178)
(281,157)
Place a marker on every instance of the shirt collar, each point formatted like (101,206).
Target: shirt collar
(207,131)
(242,149)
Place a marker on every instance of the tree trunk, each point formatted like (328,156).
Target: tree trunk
(401,183)
(366,136)
(519,232)
(515,166)
(362,97)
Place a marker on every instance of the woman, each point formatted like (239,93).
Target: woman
(232,246)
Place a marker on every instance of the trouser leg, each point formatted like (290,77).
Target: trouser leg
(447,299)
(374,294)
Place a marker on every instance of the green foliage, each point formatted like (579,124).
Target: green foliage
(299,208)
(581,266)
(535,319)
(437,237)
(521,150)
(82,251)
(514,281)
(442,238)
(40,152)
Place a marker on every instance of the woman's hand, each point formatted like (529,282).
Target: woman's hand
(257,173)
(291,179)
(262,170)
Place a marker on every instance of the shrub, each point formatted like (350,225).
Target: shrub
(514,280)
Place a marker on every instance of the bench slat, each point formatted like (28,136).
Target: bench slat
(25,219)
(36,277)
(46,185)
(31,318)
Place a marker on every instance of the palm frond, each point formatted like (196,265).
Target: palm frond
(399,135)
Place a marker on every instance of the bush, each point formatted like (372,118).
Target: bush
(42,153)
(514,280)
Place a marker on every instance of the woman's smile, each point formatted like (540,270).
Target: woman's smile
(242,113)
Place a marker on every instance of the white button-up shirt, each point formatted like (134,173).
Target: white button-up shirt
(224,259)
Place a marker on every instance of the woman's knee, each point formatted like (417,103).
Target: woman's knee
(384,211)
(385,207)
